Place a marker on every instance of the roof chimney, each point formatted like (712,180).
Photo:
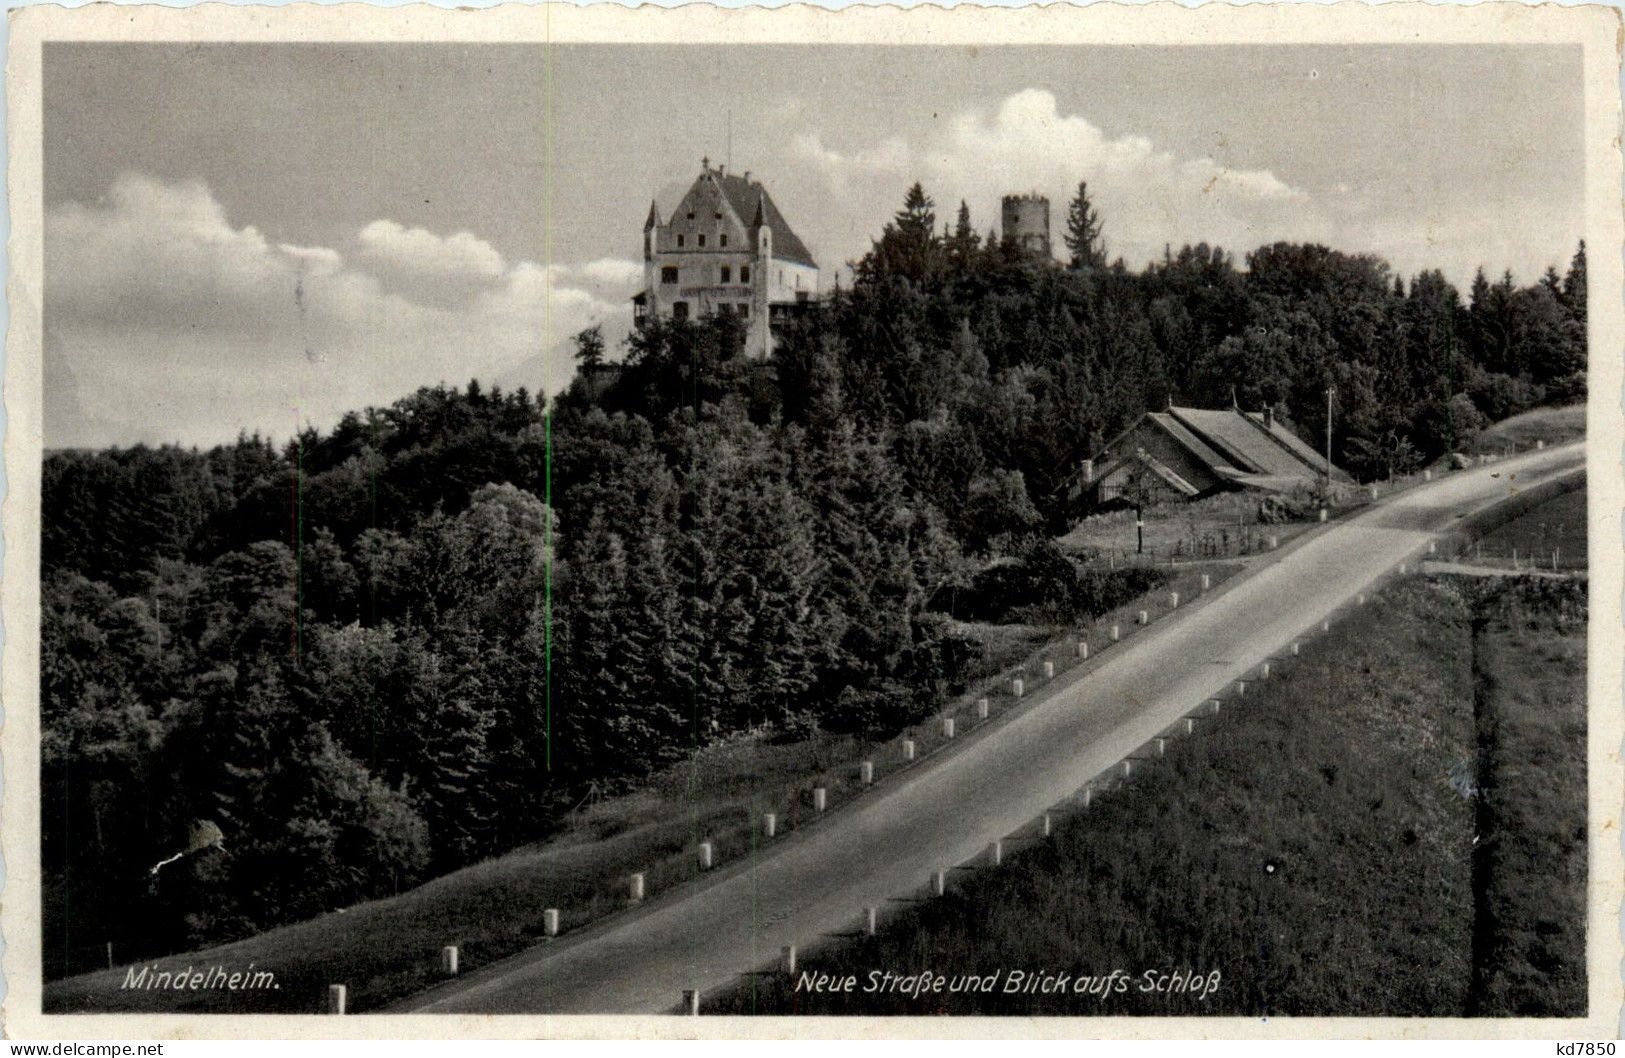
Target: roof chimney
(1269,417)
(747,176)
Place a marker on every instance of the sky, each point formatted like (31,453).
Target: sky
(261,237)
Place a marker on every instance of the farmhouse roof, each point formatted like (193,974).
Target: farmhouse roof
(1248,448)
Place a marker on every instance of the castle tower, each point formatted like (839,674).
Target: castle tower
(1025,219)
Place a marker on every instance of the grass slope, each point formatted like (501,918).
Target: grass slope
(1531,682)
(1314,844)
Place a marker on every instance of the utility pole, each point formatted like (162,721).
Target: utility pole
(1329,391)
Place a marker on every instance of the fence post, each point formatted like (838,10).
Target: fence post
(820,798)
(995,854)
(866,772)
(871,921)
(947,727)
(691,1001)
(1083,649)
(336,999)
(1144,617)
(1049,670)
(448,960)
(550,922)
(1207,581)
(1173,600)
(908,749)
(706,855)
(787,959)
(939,882)
(1117,633)
(1018,687)
(981,708)
(770,825)
(635,887)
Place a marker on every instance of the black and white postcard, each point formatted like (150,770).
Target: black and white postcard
(791,522)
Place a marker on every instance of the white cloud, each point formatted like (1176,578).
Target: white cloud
(614,271)
(1146,195)
(174,323)
(422,251)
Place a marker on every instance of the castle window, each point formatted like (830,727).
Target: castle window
(744,273)
(668,274)
(744,309)
(691,216)
(679,240)
(727,274)
(679,310)
(722,240)
(702,240)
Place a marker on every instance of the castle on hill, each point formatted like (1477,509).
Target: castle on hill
(727,250)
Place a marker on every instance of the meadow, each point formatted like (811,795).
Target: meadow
(1314,843)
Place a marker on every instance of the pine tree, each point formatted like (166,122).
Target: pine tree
(1083,232)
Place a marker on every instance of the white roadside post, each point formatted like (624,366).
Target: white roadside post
(635,888)
(820,798)
(1018,687)
(1049,670)
(871,921)
(707,854)
(550,922)
(908,749)
(336,999)
(448,960)
(866,772)
(787,959)
(691,1001)
(947,727)
(1083,650)
(770,825)
(981,708)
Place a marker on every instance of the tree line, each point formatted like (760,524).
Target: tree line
(384,651)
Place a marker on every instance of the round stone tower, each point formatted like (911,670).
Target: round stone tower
(1026,220)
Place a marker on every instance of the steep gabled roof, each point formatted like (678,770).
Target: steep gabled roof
(746,198)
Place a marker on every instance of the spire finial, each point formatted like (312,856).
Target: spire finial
(705,163)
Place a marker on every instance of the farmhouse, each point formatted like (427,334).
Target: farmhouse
(1194,452)
(726,249)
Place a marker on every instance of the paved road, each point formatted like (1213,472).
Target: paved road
(887,843)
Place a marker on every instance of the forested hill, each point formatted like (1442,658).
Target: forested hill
(384,651)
